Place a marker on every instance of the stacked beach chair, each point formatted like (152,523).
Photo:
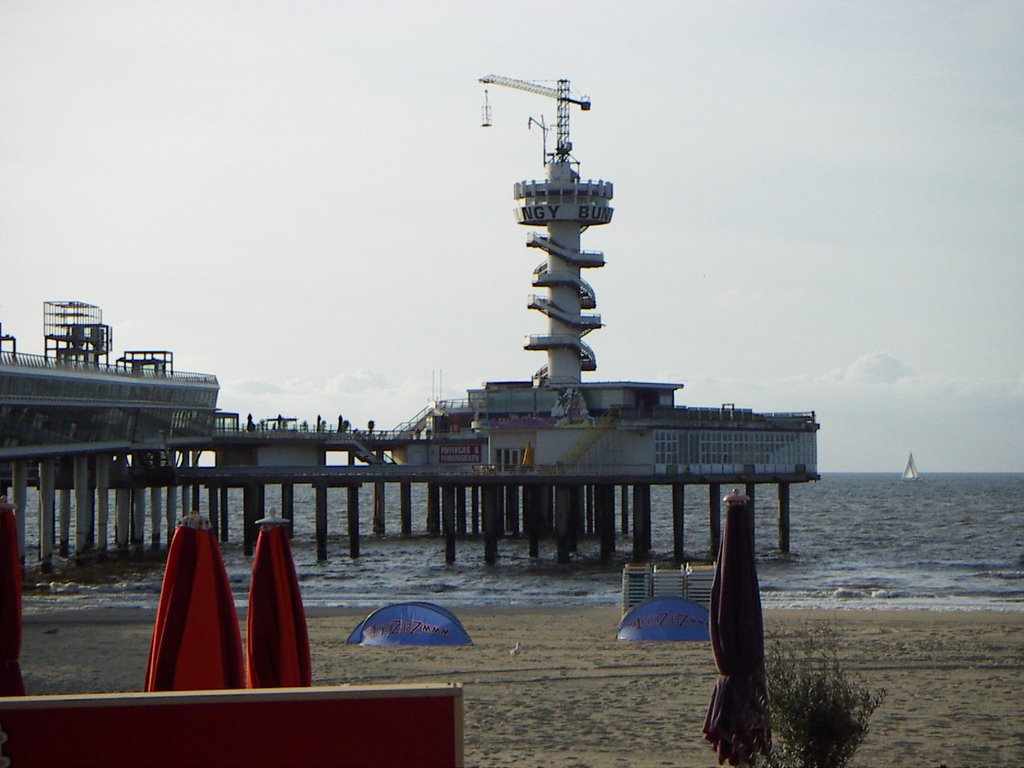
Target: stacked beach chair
(698,582)
(669,582)
(691,581)
(637,581)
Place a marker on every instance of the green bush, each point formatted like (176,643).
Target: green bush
(819,712)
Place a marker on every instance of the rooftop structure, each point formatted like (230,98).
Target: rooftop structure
(71,395)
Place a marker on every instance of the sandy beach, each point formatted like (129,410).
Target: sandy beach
(575,695)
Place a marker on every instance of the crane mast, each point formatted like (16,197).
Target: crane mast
(561,94)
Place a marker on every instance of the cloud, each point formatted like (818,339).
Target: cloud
(253,387)
(874,368)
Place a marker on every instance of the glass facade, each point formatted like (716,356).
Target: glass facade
(47,403)
(736,447)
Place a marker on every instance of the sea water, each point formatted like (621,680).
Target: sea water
(858,541)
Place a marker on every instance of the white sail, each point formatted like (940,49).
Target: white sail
(910,473)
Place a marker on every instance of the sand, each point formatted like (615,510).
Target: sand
(576,696)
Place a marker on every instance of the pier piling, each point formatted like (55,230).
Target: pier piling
(784,518)
(678,522)
(448,522)
(715,517)
(353,521)
(491,523)
(321,523)
(405,507)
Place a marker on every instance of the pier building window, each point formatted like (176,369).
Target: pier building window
(508,457)
(667,447)
(731,446)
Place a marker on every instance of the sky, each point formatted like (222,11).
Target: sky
(818,205)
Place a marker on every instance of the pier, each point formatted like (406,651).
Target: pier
(129,500)
(129,446)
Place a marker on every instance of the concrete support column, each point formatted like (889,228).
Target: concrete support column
(213,509)
(353,521)
(715,517)
(102,500)
(155,511)
(548,509)
(460,510)
(251,512)
(405,503)
(83,506)
(474,496)
(195,487)
(64,521)
(171,516)
(588,507)
(563,521)
(378,508)
(433,509)
(47,496)
(678,521)
(639,553)
(499,501)
(224,513)
(288,506)
(138,533)
(19,493)
(512,509)
(122,518)
(753,506)
(641,523)
(181,497)
(491,523)
(575,516)
(624,509)
(321,523)
(604,518)
(784,518)
(531,517)
(448,522)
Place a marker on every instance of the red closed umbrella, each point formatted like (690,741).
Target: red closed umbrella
(277,639)
(737,720)
(196,641)
(11,683)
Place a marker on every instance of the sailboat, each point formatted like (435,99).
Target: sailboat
(911,473)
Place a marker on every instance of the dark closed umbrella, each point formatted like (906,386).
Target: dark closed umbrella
(196,641)
(737,720)
(11,683)
(277,639)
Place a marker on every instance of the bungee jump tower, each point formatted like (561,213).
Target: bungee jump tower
(565,206)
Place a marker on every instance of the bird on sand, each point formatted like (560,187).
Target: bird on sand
(515,649)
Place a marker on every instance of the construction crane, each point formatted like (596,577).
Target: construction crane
(561,94)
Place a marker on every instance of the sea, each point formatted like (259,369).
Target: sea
(947,542)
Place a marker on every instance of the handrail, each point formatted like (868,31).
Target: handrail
(588,188)
(38,361)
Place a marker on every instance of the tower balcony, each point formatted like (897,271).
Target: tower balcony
(583,202)
(588,360)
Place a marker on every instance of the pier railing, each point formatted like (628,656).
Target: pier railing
(38,361)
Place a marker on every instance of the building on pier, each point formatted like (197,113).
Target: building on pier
(72,395)
(557,419)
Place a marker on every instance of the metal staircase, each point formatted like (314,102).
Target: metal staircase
(585,259)
(544,279)
(590,438)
